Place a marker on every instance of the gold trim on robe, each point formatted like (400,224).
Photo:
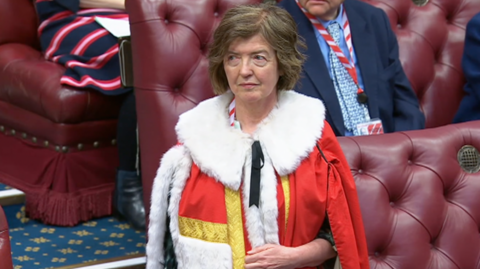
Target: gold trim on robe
(203,230)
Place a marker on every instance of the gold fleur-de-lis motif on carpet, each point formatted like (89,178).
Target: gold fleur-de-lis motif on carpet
(123,226)
(24,258)
(115,235)
(82,233)
(101,252)
(34,249)
(109,244)
(90,224)
(21,215)
(59,260)
(40,240)
(75,242)
(67,251)
(47,230)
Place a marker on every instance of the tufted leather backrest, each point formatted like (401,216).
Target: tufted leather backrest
(420,209)
(431,41)
(169,45)
(22,22)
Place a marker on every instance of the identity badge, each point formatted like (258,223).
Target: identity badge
(371,127)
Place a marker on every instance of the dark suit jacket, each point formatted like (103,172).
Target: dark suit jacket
(470,106)
(390,96)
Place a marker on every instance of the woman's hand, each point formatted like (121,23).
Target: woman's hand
(271,257)
(280,257)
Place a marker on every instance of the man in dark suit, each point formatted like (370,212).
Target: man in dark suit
(470,106)
(376,66)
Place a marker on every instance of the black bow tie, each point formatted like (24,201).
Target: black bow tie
(257,164)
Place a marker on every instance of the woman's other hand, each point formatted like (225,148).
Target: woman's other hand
(271,257)
(280,257)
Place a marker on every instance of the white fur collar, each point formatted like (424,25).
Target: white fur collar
(287,135)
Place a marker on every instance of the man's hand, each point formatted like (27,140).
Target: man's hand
(271,257)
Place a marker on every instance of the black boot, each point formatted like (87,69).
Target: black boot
(128,198)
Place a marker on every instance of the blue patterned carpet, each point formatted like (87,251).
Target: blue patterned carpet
(35,245)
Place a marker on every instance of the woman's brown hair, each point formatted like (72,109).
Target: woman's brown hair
(272,23)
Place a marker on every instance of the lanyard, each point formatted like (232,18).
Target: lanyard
(349,65)
(231,112)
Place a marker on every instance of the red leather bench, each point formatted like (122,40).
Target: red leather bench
(57,143)
(420,209)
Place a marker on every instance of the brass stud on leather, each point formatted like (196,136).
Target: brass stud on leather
(469,159)
(420,3)
(57,148)
(80,146)
(96,144)
(46,143)
(34,139)
(64,149)
(114,142)
(13,132)
(24,135)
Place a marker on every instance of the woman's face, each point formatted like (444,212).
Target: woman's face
(251,68)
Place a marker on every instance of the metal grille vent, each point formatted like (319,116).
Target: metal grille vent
(469,159)
(420,3)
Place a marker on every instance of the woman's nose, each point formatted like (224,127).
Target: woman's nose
(245,68)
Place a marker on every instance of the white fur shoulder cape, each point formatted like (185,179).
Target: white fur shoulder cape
(286,136)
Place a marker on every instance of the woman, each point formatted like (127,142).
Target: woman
(257,169)
(70,36)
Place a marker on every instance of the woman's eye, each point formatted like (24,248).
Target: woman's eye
(232,59)
(259,60)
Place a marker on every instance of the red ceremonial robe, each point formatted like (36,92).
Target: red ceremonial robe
(320,184)
(205,183)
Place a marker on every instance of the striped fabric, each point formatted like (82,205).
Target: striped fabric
(76,41)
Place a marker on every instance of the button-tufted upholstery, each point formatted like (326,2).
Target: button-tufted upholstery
(5,250)
(420,209)
(431,41)
(55,141)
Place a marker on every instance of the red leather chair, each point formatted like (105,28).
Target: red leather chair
(5,249)
(420,210)
(57,143)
